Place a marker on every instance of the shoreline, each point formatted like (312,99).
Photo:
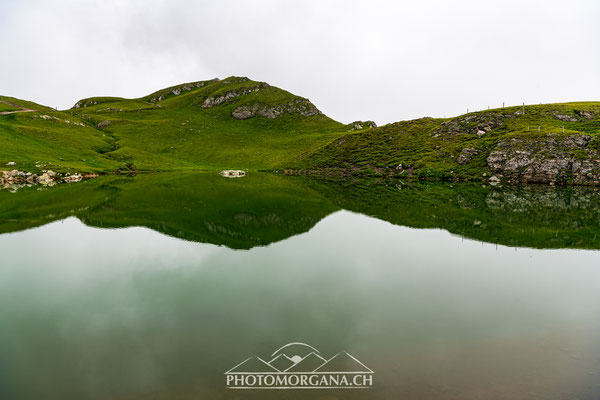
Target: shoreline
(16,179)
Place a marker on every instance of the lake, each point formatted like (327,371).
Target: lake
(154,286)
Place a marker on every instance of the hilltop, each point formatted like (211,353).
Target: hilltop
(238,123)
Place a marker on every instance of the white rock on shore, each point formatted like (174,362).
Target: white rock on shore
(233,173)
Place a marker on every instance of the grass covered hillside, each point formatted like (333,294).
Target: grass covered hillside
(540,143)
(216,124)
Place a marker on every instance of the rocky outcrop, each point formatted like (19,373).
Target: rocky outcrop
(15,178)
(466,155)
(177,90)
(565,117)
(212,101)
(585,114)
(52,118)
(575,116)
(85,103)
(474,124)
(103,124)
(296,106)
(359,125)
(552,158)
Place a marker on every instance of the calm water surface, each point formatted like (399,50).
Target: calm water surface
(205,272)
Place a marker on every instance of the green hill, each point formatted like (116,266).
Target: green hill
(231,123)
(542,143)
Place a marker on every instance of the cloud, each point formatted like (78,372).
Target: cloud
(378,60)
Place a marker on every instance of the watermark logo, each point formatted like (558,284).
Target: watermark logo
(300,366)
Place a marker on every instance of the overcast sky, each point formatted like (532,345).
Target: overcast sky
(380,60)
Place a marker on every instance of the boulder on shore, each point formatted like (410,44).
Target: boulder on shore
(15,178)
(233,173)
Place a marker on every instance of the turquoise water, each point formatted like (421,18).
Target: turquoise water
(139,313)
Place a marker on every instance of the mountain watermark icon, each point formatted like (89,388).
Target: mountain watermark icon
(300,366)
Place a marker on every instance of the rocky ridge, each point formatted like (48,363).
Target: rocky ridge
(552,158)
(177,90)
(299,106)
(213,101)
(359,125)
(474,124)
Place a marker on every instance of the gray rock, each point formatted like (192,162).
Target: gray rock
(296,106)
(185,87)
(213,101)
(585,114)
(233,173)
(466,155)
(84,103)
(73,178)
(473,124)
(552,158)
(103,124)
(564,117)
(358,125)
(243,113)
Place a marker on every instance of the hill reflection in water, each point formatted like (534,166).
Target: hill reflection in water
(262,208)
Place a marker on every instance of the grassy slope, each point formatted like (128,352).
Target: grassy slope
(431,146)
(177,133)
(52,143)
(7,107)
